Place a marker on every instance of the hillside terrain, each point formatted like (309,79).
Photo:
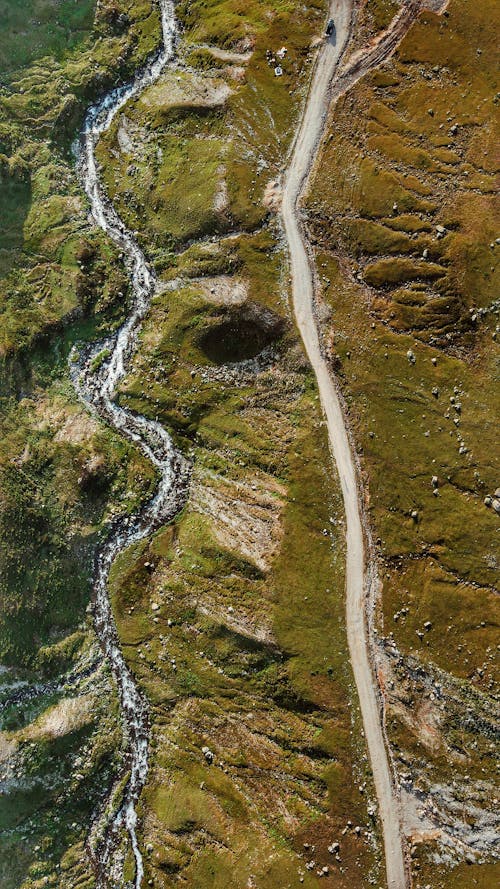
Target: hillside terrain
(402,210)
(231,617)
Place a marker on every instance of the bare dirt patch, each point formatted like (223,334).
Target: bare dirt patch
(66,716)
(173,90)
(223,290)
(272,196)
(245,516)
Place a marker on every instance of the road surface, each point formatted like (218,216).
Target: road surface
(304,151)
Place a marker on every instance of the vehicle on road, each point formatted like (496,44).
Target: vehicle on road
(330,28)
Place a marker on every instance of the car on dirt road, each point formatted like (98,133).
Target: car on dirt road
(330,28)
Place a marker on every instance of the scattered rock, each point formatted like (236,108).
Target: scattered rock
(411,356)
(207,753)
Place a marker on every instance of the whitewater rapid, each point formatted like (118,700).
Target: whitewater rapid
(97,388)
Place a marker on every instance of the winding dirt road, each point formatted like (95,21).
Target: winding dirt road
(328,83)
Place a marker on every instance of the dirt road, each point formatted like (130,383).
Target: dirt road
(323,87)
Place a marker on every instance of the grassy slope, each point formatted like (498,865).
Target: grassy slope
(422,127)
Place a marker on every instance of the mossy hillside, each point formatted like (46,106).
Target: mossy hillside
(38,98)
(438,570)
(266,109)
(224,24)
(55,247)
(189,403)
(62,478)
(16,199)
(51,490)
(50,92)
(481,876)
(434,603)
(463,621)
(416,410)
(408,436)
(165,188)
(242,698)
(57,250)
(236,429)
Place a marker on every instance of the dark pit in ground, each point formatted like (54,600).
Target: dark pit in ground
(240,334)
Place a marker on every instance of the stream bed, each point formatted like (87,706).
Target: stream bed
(97,388)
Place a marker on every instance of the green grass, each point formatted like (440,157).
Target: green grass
(37,28)
(166,214)
(395,271)
(210,148)
(15,197)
